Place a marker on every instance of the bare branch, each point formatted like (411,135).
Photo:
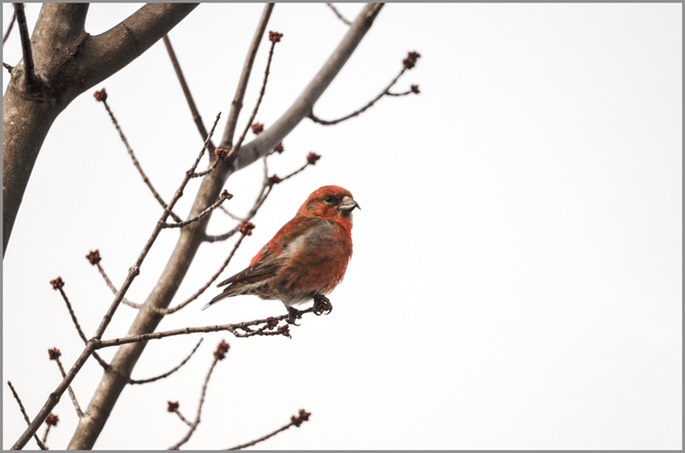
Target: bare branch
(30,80)
(204,287)
(132,274)
(219,354)
(114,289)
(174,408)
(237,329)
(337,13)
(302,106)
(197,119)
(168,373)
(58,284)
(224,196)
(237,104)
(101,96)
(26,417)
(275,38)
(10,26)
(110,51)
(55,355)
(384,92)
(297,420)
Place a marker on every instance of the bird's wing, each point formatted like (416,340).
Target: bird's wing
(270,257)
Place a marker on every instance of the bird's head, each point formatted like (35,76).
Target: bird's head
(329,202)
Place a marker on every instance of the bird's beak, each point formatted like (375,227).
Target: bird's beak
(348,204)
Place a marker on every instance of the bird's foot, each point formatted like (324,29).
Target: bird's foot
(322,305)
(293,315)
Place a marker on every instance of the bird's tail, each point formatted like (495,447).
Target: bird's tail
(215,300)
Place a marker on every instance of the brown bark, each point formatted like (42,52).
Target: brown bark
(67,61)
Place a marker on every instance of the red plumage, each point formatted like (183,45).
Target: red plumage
(306,258)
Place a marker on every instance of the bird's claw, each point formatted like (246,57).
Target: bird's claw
(322,305)
(293,315)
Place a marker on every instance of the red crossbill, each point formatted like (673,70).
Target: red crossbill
(306,258)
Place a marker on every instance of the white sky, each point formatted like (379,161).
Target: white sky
(516,282)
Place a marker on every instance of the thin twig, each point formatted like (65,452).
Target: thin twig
(114,289)
(26,417)
(170,372)
(177,411)
(200,174)
(74,319)
(361,110)
(135,161)
(197,119)
(10,26)
(237,103)
(133,272)
(45,434)
(265,191)
(224,196)
(262,90)
(55,355)
(30,79)
(303,416)
(263,143)
(267,186)
(220,354)
(338,14)
(204,287)
(236,329)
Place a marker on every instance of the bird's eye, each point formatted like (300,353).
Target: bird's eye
(331,199)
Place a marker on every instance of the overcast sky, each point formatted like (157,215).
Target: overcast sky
(517,273)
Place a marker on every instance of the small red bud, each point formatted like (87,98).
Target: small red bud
(312,157)
(51,419)
(302,417)
(93,257)
(221,350)
(246,228)
(221,153)
(410,61)
(172,406)
(57,283)
(101,95)
(279,148)
(257,128)
(275,36)
(54,353)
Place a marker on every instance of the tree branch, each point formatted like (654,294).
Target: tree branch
(362,109)
(55,355)
(132,274)
(337,13)
(204,287)
(110,51)
(274,38)
(197,119)
(237,104)
(303,105)
(302,416)
(26,417)
(102,96)
(10,26)
(30,79)
(168,373)
(219,354)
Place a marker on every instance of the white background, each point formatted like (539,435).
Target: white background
(516,281)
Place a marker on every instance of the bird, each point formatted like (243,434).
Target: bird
(306,259)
